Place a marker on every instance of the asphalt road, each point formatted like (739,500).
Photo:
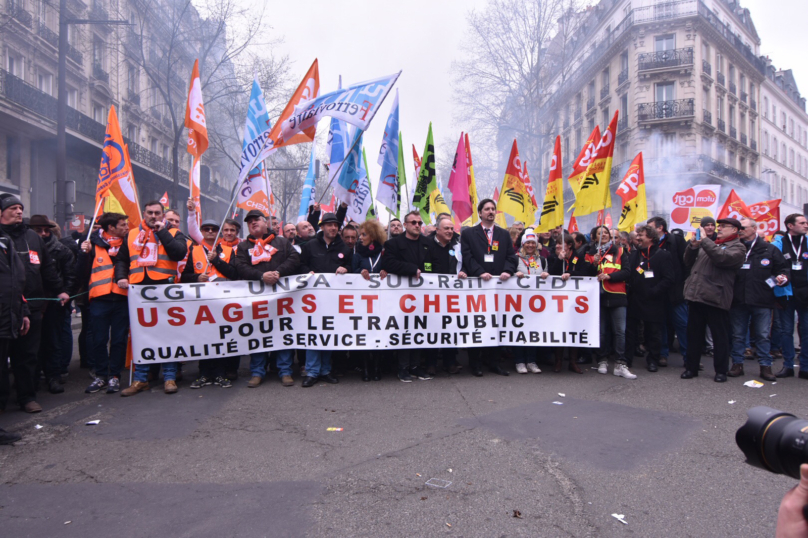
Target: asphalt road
(454,456)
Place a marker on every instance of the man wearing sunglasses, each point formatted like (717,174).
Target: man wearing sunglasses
(404,255)
(487,253)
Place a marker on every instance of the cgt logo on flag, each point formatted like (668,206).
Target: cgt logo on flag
(693,204)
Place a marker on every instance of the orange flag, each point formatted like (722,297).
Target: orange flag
(308,89)
(164,200)
(116,184)
(734,207)
(767,216)
(197,135)
(583,160)
(573,227)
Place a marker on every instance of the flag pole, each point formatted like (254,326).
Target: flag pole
(92,222)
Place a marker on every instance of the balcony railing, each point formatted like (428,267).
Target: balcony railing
(590,103)
(706,67)
(100,74)
(666,58)
(659,110)
(577,114)
(722,126)
(604,92)
(622,77)
(733,89)
(133,96)
(733,132)
(27,96)
(743,139)
(719,77)
(23,17)
(753,144)
(753,104)
(74,54)
(708,117)
(622,125)
(48,35)
(744,97)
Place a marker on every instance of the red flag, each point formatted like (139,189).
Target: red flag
(767,216)
(734,207)
(573,227)
(609,220)
(164,200)
(417,160)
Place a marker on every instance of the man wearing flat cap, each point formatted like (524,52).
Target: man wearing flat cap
(265,257)
(708,291)
(326,253)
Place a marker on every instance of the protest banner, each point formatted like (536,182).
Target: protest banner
(179,322)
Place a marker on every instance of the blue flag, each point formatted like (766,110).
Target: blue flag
(309,189)
(352,186)
(337,146)
(256,141)
(387,193)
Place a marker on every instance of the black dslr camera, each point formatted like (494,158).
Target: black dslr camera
(774,440)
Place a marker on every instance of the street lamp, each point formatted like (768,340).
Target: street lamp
(61,110)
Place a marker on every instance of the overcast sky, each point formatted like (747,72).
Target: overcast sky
(364,39)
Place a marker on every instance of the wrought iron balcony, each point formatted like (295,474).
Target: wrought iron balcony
(733,132)
(74,54)
(133,96)
(577,114)
(719,77)
(753,144)
(721,125)
(660,110)
(706,67)
(743,139)
(48,35)
(753,104)
(664,59)
(23,17)
(622,125)
(708,117)
(744,97)
(604,92)
(99,73)
(733,89)
(590,103)
(622,77)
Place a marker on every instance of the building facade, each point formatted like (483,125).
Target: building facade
(102,71)
(784,140)
(686,78)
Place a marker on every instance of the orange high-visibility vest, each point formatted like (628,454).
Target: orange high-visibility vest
(102,280)
(164,269)
(199,258)
(608,267)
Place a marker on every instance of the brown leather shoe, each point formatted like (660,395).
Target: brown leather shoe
(170,387)
(287,381)
(766,373)
(254,381)
(134,388)
(574,368)
(735,371)
(32,407)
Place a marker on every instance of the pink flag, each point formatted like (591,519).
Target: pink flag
(459,183)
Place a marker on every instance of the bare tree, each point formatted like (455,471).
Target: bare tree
(518,50)
(166,38)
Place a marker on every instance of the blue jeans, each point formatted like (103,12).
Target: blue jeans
(761,318)
(318,362)
(786,317)
(110,323)
(677,313)
(777,332)
(142,371)
(614,319)
(258,363)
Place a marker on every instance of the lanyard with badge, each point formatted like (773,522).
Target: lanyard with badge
(489,258)
(372,263)
(647,273)
(796,265)
(746,264)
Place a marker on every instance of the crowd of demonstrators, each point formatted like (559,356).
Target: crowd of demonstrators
(727,292)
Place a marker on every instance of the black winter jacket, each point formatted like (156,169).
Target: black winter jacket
(65,262)
(442,260)
(318,257)
(675,245)
(286,261)
(404,256)
(367,257)
(12,282)
(648,296)
(41,276)
(764,261)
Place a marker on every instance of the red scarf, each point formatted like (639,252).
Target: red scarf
(113,242)
(730,238)
(262,251)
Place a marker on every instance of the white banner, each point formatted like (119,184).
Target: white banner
(180,322)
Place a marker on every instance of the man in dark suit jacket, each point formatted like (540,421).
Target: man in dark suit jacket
(487,253)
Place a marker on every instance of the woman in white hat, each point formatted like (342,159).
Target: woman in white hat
(530,262)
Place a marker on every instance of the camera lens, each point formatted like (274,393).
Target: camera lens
(774,440)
